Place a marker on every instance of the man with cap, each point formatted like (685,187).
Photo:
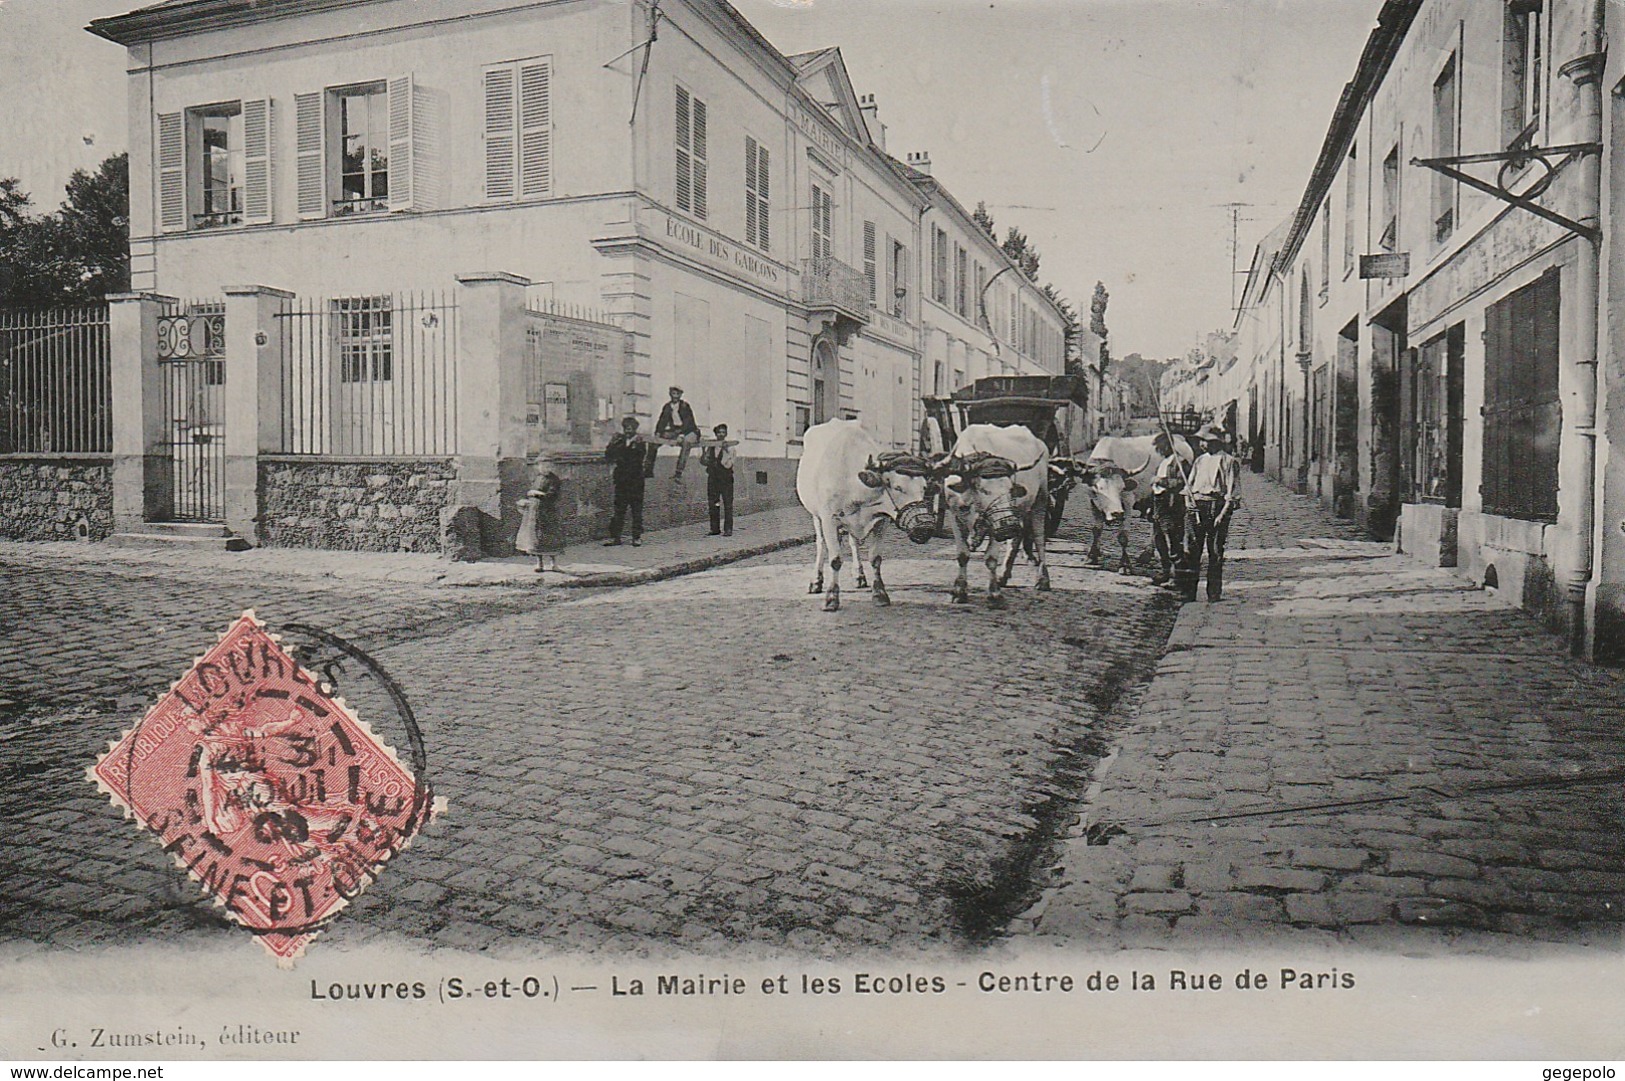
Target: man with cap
(676,421)
(1212,494)
(1167,508)
(719,481)
(625,454)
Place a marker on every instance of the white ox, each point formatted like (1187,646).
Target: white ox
(850,484)
(997,485)
(1118,468)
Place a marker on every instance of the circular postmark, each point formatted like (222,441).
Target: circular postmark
(267,787)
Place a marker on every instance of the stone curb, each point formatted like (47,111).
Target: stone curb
(677,570)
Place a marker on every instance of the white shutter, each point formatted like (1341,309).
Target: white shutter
(685,170)
(699,159)
(535,129)
(257,161)
(888,299)
(500,118)
(869,259)
(310,123)
(171,172)
(765,211)
(750,191)
(402,121)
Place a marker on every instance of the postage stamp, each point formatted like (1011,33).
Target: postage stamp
(266,788)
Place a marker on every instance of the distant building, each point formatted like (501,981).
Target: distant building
(1425,336)
(979,314)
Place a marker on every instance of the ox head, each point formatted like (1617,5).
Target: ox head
(1063,475)
(1108,484)
(903,478)
(984,484)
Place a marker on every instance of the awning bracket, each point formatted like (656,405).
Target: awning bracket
(1515,159)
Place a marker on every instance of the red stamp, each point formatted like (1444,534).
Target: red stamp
(266,788)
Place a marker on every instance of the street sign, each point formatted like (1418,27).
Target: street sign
(1394,265)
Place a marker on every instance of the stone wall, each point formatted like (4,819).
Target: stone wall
(56,497)
(588,497)
(353,504)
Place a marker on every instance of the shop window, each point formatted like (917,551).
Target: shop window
(1522,415)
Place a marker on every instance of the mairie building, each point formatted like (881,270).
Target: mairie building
(636,195)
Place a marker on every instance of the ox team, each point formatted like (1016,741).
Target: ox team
(995,484)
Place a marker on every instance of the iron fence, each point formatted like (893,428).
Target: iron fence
(370,375)
(191,351)
(56,381)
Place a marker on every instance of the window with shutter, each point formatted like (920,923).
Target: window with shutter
(171,172)
(501,117)
(535,128)
(257,161)
(214,170)
(890,284)
(764,175)
(362,133)
(691,154)
(959,280)
(756,199)
(699,158)
(519,129)
(821,205)
(939,266)
(402,127)
(899,280)
(1522,412)
(685,163)
(869,258)
(215,166)
(310,127)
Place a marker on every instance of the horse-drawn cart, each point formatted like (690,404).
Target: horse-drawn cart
(1055,408)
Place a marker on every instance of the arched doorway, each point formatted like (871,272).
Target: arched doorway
(826,382)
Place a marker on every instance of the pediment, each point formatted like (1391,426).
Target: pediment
(824,79)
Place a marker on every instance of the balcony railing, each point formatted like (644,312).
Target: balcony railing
(826,282)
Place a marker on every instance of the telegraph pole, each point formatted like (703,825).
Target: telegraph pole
(1235,247)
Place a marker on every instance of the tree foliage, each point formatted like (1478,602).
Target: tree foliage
(78,254)
(1021,252)
(981,217)
(1071,325)
(1097,322)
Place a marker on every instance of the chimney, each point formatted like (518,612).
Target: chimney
(871,117)
(920,162)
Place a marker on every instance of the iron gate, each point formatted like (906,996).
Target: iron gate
(191,353)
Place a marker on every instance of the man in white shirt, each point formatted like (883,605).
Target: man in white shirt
(719,481)
(1211,497)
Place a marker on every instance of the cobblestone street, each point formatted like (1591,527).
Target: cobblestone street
(1353,747)
(702,762)
(1342,750)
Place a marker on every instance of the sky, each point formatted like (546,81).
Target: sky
(1114,133)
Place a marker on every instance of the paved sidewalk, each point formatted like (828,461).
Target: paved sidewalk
(1354,748)
(662,554)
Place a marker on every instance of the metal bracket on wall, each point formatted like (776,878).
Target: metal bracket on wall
(1513,161)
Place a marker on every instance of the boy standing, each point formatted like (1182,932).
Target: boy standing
(719,481)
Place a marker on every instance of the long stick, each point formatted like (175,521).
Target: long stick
(1173,448)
